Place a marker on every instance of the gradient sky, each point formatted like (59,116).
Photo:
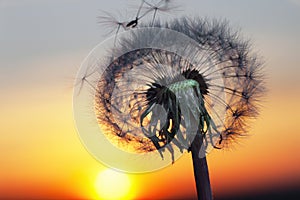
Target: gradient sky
(42,44)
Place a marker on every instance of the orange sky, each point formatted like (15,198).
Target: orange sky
(43,157)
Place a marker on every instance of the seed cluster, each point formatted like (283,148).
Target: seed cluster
(155,99)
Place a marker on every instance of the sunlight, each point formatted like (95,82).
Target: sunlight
(111,184)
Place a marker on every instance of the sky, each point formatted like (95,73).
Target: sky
(43,43)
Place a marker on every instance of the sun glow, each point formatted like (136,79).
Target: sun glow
(111,184)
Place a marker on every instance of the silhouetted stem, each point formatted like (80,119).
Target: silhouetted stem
(200,171)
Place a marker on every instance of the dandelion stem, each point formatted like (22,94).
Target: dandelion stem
(200,171)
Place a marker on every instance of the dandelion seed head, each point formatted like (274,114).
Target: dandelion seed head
(167,82)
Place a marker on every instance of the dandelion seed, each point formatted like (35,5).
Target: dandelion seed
(112,23)
(133,23)
(161,6)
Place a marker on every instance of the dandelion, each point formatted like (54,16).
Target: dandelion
(185,85)
(163,6)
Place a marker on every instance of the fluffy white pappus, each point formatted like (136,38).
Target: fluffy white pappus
(178,79)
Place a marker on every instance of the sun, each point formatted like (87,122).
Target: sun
(111,184)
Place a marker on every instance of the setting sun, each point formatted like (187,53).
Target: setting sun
(111,184)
